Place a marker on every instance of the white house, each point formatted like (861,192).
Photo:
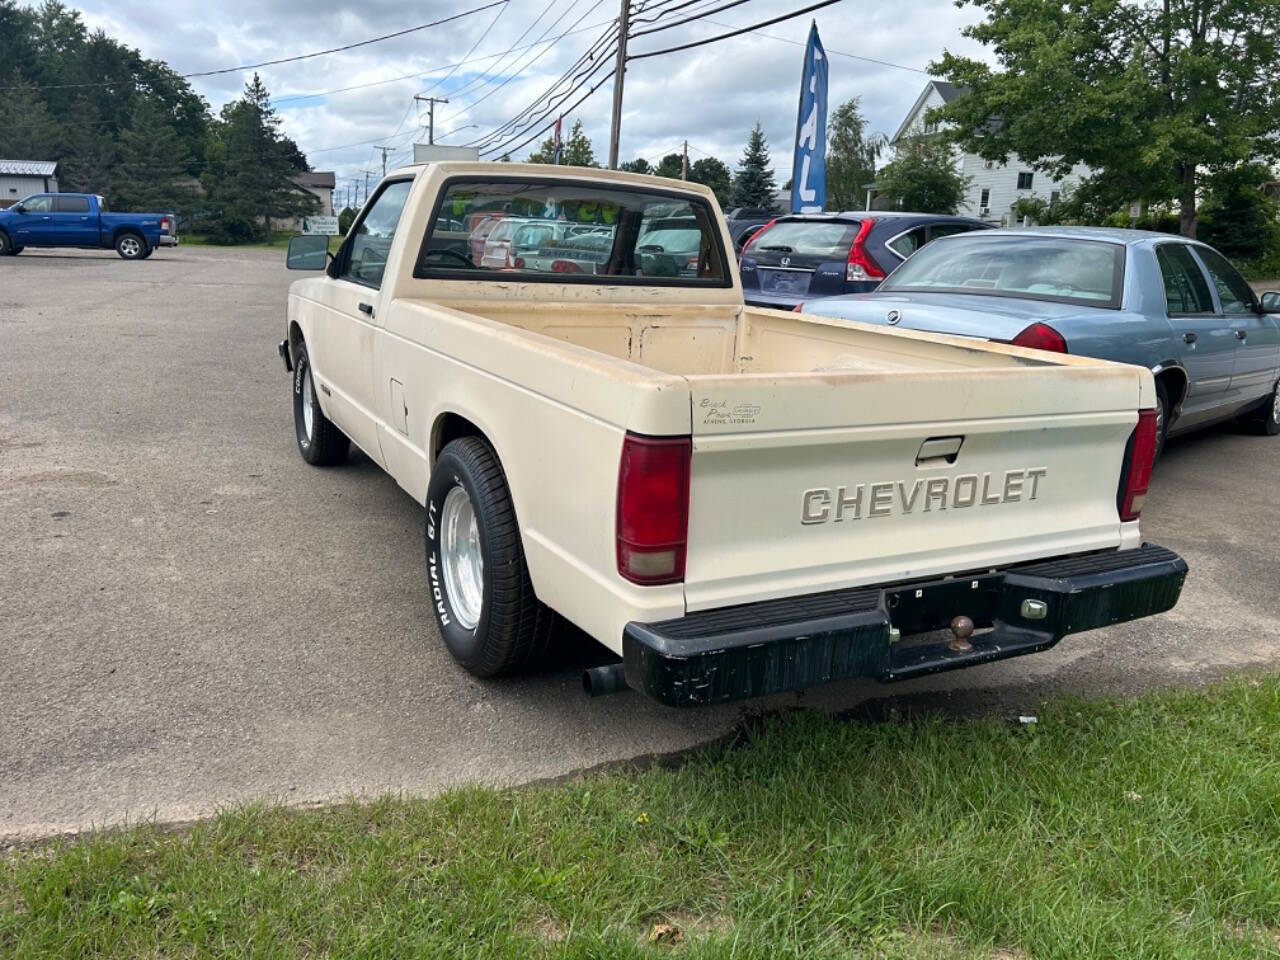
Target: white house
(993,187)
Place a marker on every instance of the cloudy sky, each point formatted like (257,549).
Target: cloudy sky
(712,94)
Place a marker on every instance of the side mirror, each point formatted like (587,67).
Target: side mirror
(1271,302)
(19,208)
(307,253)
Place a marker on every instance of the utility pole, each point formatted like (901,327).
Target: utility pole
(684,162)
(385,151)
(366,184)
(615,128)
(431,114)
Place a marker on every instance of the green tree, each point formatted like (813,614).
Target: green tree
(670,166)
(577,150)
(248,175)
(638,165)
(851,157)
(923,177)
(27,130)
(713,173)
(1154,93)
(754,184)
(1239,217)
(152,170)
(346,217)
(90,164)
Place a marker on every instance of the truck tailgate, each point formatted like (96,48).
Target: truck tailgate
(809,482)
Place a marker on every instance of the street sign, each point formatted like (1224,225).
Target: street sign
(323,226)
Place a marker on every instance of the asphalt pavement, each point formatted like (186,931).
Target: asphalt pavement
(191,616)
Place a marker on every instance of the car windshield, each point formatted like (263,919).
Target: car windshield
(554,228)
(808,238)
(1057,269)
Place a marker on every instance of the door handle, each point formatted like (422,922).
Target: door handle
(1242,334)
(1188,338)
(367,308)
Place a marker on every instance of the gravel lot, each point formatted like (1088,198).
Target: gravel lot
(191,616)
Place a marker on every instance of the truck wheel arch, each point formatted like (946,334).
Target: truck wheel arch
(295,338)
(450,426)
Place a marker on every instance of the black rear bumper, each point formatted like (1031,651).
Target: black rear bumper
(789,644)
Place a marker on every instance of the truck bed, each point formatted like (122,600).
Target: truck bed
(792,414)
(720,340)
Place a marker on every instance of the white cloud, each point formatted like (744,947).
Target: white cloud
(711,95)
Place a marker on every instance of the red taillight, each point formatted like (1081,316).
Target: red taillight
(565,266)
(756,236)
(1135,478)
(798,308)
(1041,336)
(861,266)
(653,508)
(518,263)
(164,224)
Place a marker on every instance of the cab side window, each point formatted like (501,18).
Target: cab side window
(71,204)
(366,259)
(1185,290)
(1233,290)
(38,204)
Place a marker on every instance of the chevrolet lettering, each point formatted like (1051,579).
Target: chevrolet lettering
(557,364)
(884,499)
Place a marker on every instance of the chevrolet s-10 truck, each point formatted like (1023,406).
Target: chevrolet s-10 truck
(737,501)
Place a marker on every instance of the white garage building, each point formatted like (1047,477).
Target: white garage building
(21,178)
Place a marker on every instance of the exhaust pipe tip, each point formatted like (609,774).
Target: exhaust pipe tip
(599,681)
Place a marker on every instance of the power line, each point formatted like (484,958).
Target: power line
(689,19)
(524,115)
(426,73)
(484,77)
(294,59)
(733,33)
(524,66)
(830,50)
(537,133)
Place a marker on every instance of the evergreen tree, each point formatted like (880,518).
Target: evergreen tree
(670,166)
(715,174)
(576,150)
(152,171)
(27,130)
(638,165)
(754,186)
(90,164)
(248,174)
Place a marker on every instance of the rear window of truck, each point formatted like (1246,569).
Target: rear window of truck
(567,231)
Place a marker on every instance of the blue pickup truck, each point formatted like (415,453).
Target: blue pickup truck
(82,220)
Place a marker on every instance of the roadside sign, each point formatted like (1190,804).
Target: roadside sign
(324,226)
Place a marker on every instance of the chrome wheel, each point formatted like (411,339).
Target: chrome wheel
(130,246)
(460,557)
(308,399)
(1275,405)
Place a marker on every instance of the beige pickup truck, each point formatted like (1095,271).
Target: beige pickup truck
(737,501)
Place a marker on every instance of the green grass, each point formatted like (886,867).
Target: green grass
(1138,828)
(279,241)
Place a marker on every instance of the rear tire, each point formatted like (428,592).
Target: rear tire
(130,246)
(320,442)
(481,593)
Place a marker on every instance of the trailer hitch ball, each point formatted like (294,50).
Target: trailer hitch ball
(962,630)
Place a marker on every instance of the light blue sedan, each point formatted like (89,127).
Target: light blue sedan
(1173,305)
